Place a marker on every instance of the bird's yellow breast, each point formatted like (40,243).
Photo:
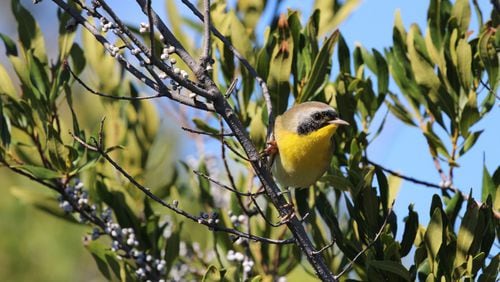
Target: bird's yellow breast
(302,159)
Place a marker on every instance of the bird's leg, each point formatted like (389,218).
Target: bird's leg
(271,149)
(288,206)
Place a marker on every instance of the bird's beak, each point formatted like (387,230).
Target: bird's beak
(339,122)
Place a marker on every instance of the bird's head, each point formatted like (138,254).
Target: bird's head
(309,117)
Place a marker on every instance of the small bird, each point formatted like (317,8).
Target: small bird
(303,137)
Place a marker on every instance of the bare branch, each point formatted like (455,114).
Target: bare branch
(129,67)
(205,57)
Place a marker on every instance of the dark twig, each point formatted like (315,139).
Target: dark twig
(218,183)
(408,178)
(206,133)
(351,263)
(89,89)
(235,151)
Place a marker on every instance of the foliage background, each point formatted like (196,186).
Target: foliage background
(38,252)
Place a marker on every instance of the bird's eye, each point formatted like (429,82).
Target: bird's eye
(317,116)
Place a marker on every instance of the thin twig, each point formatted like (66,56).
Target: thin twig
(437,164)
(408,178)
(236,152)
(206,133)
(325,247)
(351,263)
(218,183)
(97,93)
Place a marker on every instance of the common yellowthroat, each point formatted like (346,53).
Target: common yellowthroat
(303,135)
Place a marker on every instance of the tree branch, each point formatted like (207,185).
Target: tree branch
(98,147)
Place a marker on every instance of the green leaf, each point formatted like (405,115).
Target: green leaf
(344,56)
(410,231)
(488,54)
(320,71)
(204,184)
(203,126)
(469,142)
(434,235)
(40,172)
(172,247)
(176,22)
(465,234)
(38,76)
(490,272)
(105,260)
(5,127)
(10,45)
(382,73)
(453,207)
(436,145)
(400,111)
(214,274)
(101,63)
(464,60)
(30,35)
(337,181)
(391,267)
(422,69)
(66,34)
(78,58)
(488,188)
(280,70)
(461,12)
(334,13)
